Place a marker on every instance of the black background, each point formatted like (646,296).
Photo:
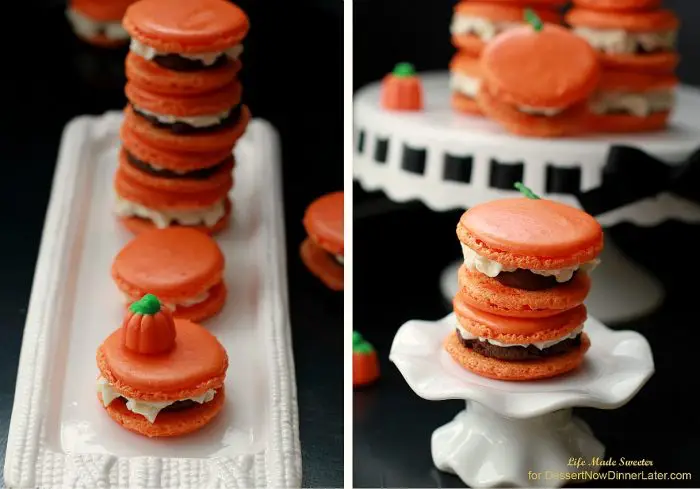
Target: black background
(293,77)
(400,250)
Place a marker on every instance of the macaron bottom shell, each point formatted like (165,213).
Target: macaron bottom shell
(624,123)
(322,265)
(466,105)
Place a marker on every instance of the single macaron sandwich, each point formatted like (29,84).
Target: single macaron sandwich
(465,80)
(537,80)
(527,257)
(640,41)
(98,22)
(506,348)
(186,35)
(632,102)
(159,376)
(477,23)
(182,266)
(322,251)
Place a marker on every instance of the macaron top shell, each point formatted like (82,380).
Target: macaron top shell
(323,221)
(536,3)
(629,81)
(196,364)
(644,21)
(502,12)
(187,26)
(171,262)
(532,227)
(466,65)
(550,68)
(619,5)
(111,11)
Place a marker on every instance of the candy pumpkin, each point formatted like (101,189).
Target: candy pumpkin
(149,328)
(365,364)
(402,89)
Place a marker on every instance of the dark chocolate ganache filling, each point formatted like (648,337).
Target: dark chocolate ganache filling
(184,128)
(176,62)
(526,280)
(176,406)
(199,174)
(519,353)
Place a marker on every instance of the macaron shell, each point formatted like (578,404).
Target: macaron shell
(618,5)
(466,64)
(536,234)
(657,63)
(323,221)
(628,81)
(570,122)
(220,140)
(646,21)
(197,363)
(133,190)
(175,264)
(503,11)
(517,331)
(207,309)
(170,160)
(152,77)
(167,424)
(100,10)
(322,265)
(137,225)
(214,102)
(189,26)
(487,294)
(516,371)
(469,44)
(462,103)
(550,68)
(554,4)
(216,181)
(623,123)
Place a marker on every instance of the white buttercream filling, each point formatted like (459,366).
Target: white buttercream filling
(340,259)
(207,59)
(637,104)
(485,29)
(547,112)
(194,121)
(541,345)
(208,216)
(464,84)
(619,41)
(148,410)
(192,301)
(490,268)
(87,27)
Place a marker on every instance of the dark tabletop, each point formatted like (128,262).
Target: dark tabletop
(293,78)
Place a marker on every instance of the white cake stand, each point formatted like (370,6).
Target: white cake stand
(517,434)
(452,161)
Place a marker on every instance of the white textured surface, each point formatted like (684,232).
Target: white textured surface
(616,366)
(59,434)
(441,130)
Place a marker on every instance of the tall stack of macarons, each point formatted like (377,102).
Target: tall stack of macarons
(635,40)
(519,309)
(184,114)
(475,24)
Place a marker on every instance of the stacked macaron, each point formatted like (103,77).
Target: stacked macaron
(635,40)
(475,24)
(99,22)
(520,305)
(184,115)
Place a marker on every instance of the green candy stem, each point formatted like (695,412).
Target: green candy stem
(359,345)
(404,70)
(533,19)
(147,306)
(526,191)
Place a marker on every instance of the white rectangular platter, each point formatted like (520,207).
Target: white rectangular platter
(59,434)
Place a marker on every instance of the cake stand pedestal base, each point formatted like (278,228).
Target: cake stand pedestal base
(485,449)
(622,290)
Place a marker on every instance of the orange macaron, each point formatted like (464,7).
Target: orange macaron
(465,80)
(475,23)
(537,79)
(618,5)
(186,35)
(517,349)
(640,41)
(527,257)
(183,267)
(154,78)
(322,251)
(98,22)
(159,376)
(632,102)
